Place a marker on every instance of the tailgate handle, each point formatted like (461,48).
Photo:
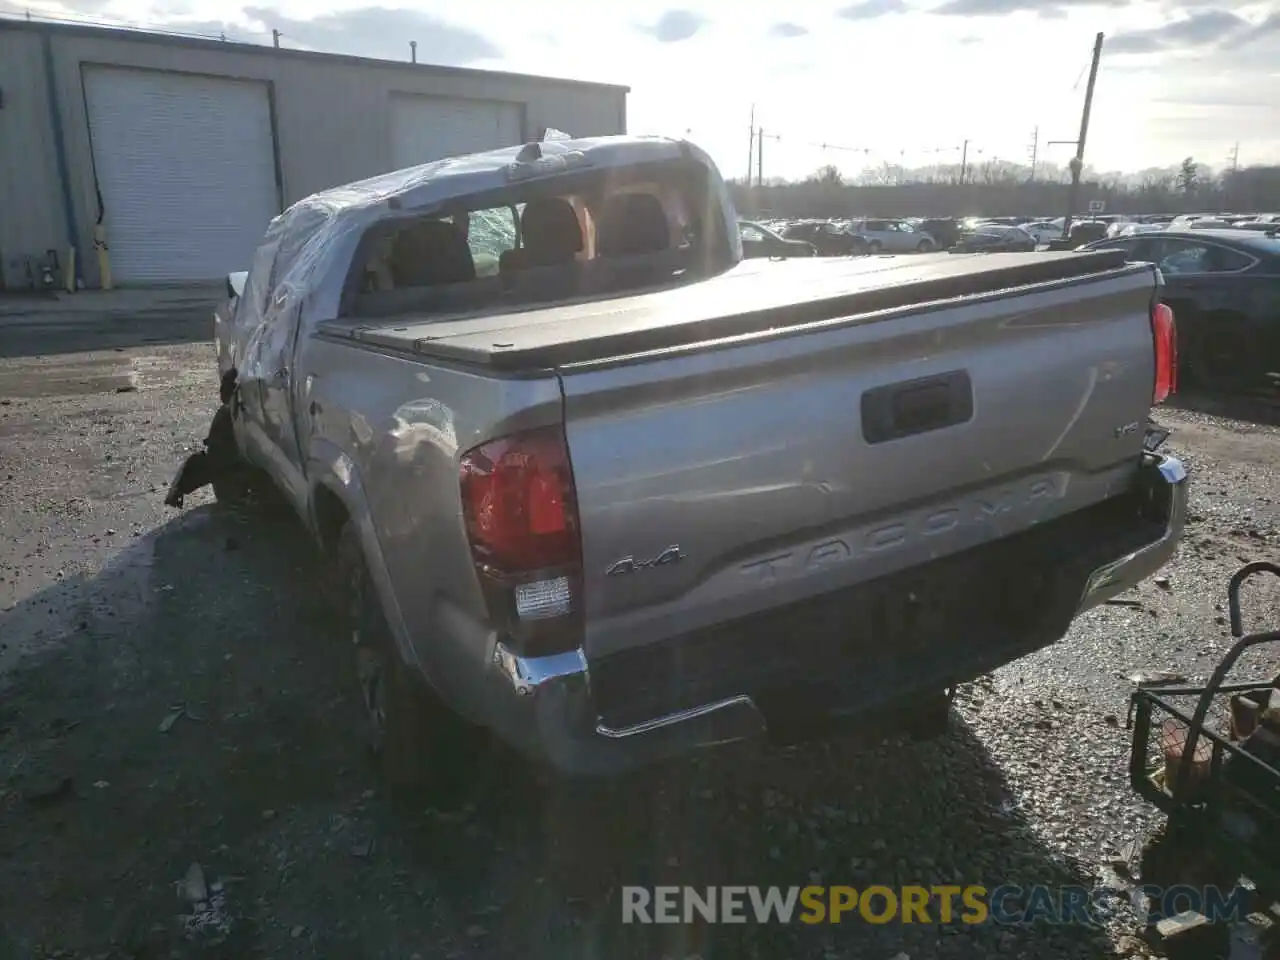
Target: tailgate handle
(917,406)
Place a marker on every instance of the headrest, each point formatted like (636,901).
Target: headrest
(632,224)
(550,232)
(431,252)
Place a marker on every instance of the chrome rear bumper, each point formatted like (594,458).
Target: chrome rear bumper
(1166,478)
(544,706)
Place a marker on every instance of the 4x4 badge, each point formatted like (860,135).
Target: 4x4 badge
(668,556)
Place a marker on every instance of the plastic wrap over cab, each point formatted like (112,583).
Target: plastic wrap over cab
(302,263)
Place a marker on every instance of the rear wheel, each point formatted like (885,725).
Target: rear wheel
(873,247)
(1222,355)
(924,246)
(417,741)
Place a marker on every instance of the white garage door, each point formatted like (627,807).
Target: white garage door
(429,128)
(186,168)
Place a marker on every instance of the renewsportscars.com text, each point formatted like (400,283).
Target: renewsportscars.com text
(940,903)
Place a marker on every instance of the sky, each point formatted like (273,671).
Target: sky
(853,84)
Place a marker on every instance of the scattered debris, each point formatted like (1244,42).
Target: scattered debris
(1156,678)
(1111,720)
(1129,946)
(1162,582)
(208,921)
(127,388)
(1119,602)
(475,931)
(297,931)
(167,723)
(194,888)
(1189,934)
(362,849)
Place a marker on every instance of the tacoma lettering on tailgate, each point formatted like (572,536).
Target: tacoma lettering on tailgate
(1021,500)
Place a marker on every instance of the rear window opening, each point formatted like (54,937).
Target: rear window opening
(586,234)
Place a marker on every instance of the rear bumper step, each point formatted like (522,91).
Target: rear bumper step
(865,650)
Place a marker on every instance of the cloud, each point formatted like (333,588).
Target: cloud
(380,32)
(1201,29)
(992,8)
(374,31)
(871,9)
(787,30)
(675,25)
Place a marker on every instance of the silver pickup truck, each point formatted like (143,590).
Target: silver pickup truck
(601,487)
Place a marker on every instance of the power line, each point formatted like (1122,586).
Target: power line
(121,25)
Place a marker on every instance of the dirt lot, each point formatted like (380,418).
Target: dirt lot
(173,692)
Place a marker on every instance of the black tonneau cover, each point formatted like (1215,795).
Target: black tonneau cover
(757,296)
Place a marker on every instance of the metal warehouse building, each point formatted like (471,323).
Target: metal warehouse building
(186,148)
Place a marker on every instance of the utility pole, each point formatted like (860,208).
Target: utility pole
(1035,150)
(413,51)
(275,38)
(1234,159)
(964,159)
(760,157)
(751,146)
(1077,162)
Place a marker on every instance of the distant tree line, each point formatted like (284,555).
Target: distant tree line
(998,189)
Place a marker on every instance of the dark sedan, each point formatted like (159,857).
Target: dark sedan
(944,230)
(1224,287)
(830,239)
(759,241)
(993,238)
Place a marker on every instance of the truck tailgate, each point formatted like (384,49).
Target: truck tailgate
(714,484)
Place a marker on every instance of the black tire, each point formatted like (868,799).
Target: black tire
(1222,357)
(873,247)
(924,246)
(418,743)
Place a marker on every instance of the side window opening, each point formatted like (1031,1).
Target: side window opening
(596,234)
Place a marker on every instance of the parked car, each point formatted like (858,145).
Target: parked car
(1087,231)
(1043,231)
(1132,229)
(992,238)
(829,239)
(1260,226)
(589,505)
(892,236)
(759,241)
(1224,286)
(944,230)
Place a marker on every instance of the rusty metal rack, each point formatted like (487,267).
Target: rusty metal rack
(1207,779)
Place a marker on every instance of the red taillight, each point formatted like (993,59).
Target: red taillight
(521,515)
(1164,333)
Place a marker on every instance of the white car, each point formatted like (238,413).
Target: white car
(1044,230)
(1131,229)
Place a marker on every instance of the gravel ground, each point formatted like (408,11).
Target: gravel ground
(171,693)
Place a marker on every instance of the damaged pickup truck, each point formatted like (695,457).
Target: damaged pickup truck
(600,486)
